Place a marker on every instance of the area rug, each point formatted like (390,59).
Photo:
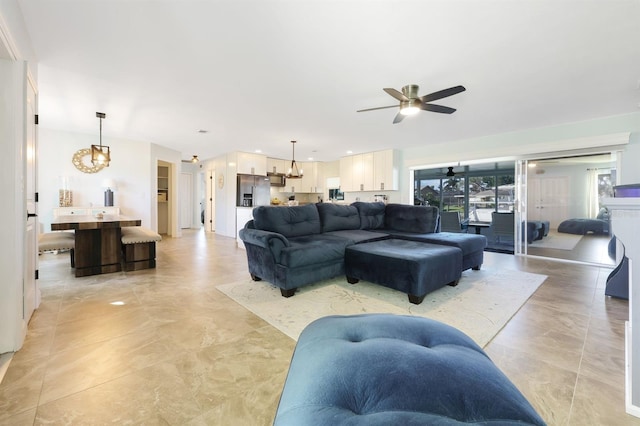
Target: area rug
(480,305)
(558,241)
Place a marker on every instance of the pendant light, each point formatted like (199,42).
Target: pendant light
(294,172)
(100,154)
(451,173)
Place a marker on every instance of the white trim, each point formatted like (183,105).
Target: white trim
(7,40)
(548,149)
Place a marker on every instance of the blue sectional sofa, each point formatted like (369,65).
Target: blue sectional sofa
(295,246)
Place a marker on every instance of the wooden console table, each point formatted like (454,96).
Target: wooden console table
(98,244)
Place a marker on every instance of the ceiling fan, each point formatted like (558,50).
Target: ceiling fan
(411,103)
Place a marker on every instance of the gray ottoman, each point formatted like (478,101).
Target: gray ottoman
(385,369)
(412,267)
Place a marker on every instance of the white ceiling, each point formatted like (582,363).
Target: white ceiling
(257,74)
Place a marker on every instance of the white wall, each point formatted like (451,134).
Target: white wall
(225,165)
(129,168)
(630,172)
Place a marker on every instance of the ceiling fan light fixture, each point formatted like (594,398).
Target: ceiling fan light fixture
(294,172)
(100,154)
(411,107)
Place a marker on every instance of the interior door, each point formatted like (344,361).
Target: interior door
(31,292)
(210,214)
(186,200)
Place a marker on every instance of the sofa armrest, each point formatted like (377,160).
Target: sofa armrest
(268,240)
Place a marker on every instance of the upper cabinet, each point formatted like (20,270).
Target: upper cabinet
(373,171)
(252,164)
(386,170)
(312,180)
(277,165)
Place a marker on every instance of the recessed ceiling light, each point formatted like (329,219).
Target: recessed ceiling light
(258,151)
(349,152)
(203,131)
(117,303)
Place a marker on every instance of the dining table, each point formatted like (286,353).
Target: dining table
(97,241)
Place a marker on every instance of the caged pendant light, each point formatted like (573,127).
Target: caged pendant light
(100,154)
(294,172)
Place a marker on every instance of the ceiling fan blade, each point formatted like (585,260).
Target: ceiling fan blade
(437,108)
(442,94)
(398,95)
(399,118)
(373,109)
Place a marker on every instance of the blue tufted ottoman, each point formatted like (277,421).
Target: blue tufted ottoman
(383,369)
(412,267)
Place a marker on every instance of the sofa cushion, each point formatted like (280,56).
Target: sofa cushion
(359,235)
(371,214)
(406,218)
(289,221)
(313,250)
(337,217)
(468,243)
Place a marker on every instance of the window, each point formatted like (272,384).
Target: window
(475,192)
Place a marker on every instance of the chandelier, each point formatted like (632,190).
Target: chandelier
(294,172)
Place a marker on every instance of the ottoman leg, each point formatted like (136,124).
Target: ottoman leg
(351,280)
(287,293)
(416,300)
(453,283)
(476,268)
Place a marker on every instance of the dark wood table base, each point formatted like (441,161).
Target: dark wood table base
(98,251)
(98,244)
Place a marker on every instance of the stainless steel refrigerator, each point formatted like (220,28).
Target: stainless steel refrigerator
(253,190)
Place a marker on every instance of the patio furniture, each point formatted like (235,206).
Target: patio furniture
(502,227)
(452,222)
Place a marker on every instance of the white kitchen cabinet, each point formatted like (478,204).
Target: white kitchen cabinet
(346,174)
(312,180)
(243,215)
(277,165)
(372,171)
(251,164)
(385,170)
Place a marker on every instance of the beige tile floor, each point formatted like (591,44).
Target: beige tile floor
(164,347)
